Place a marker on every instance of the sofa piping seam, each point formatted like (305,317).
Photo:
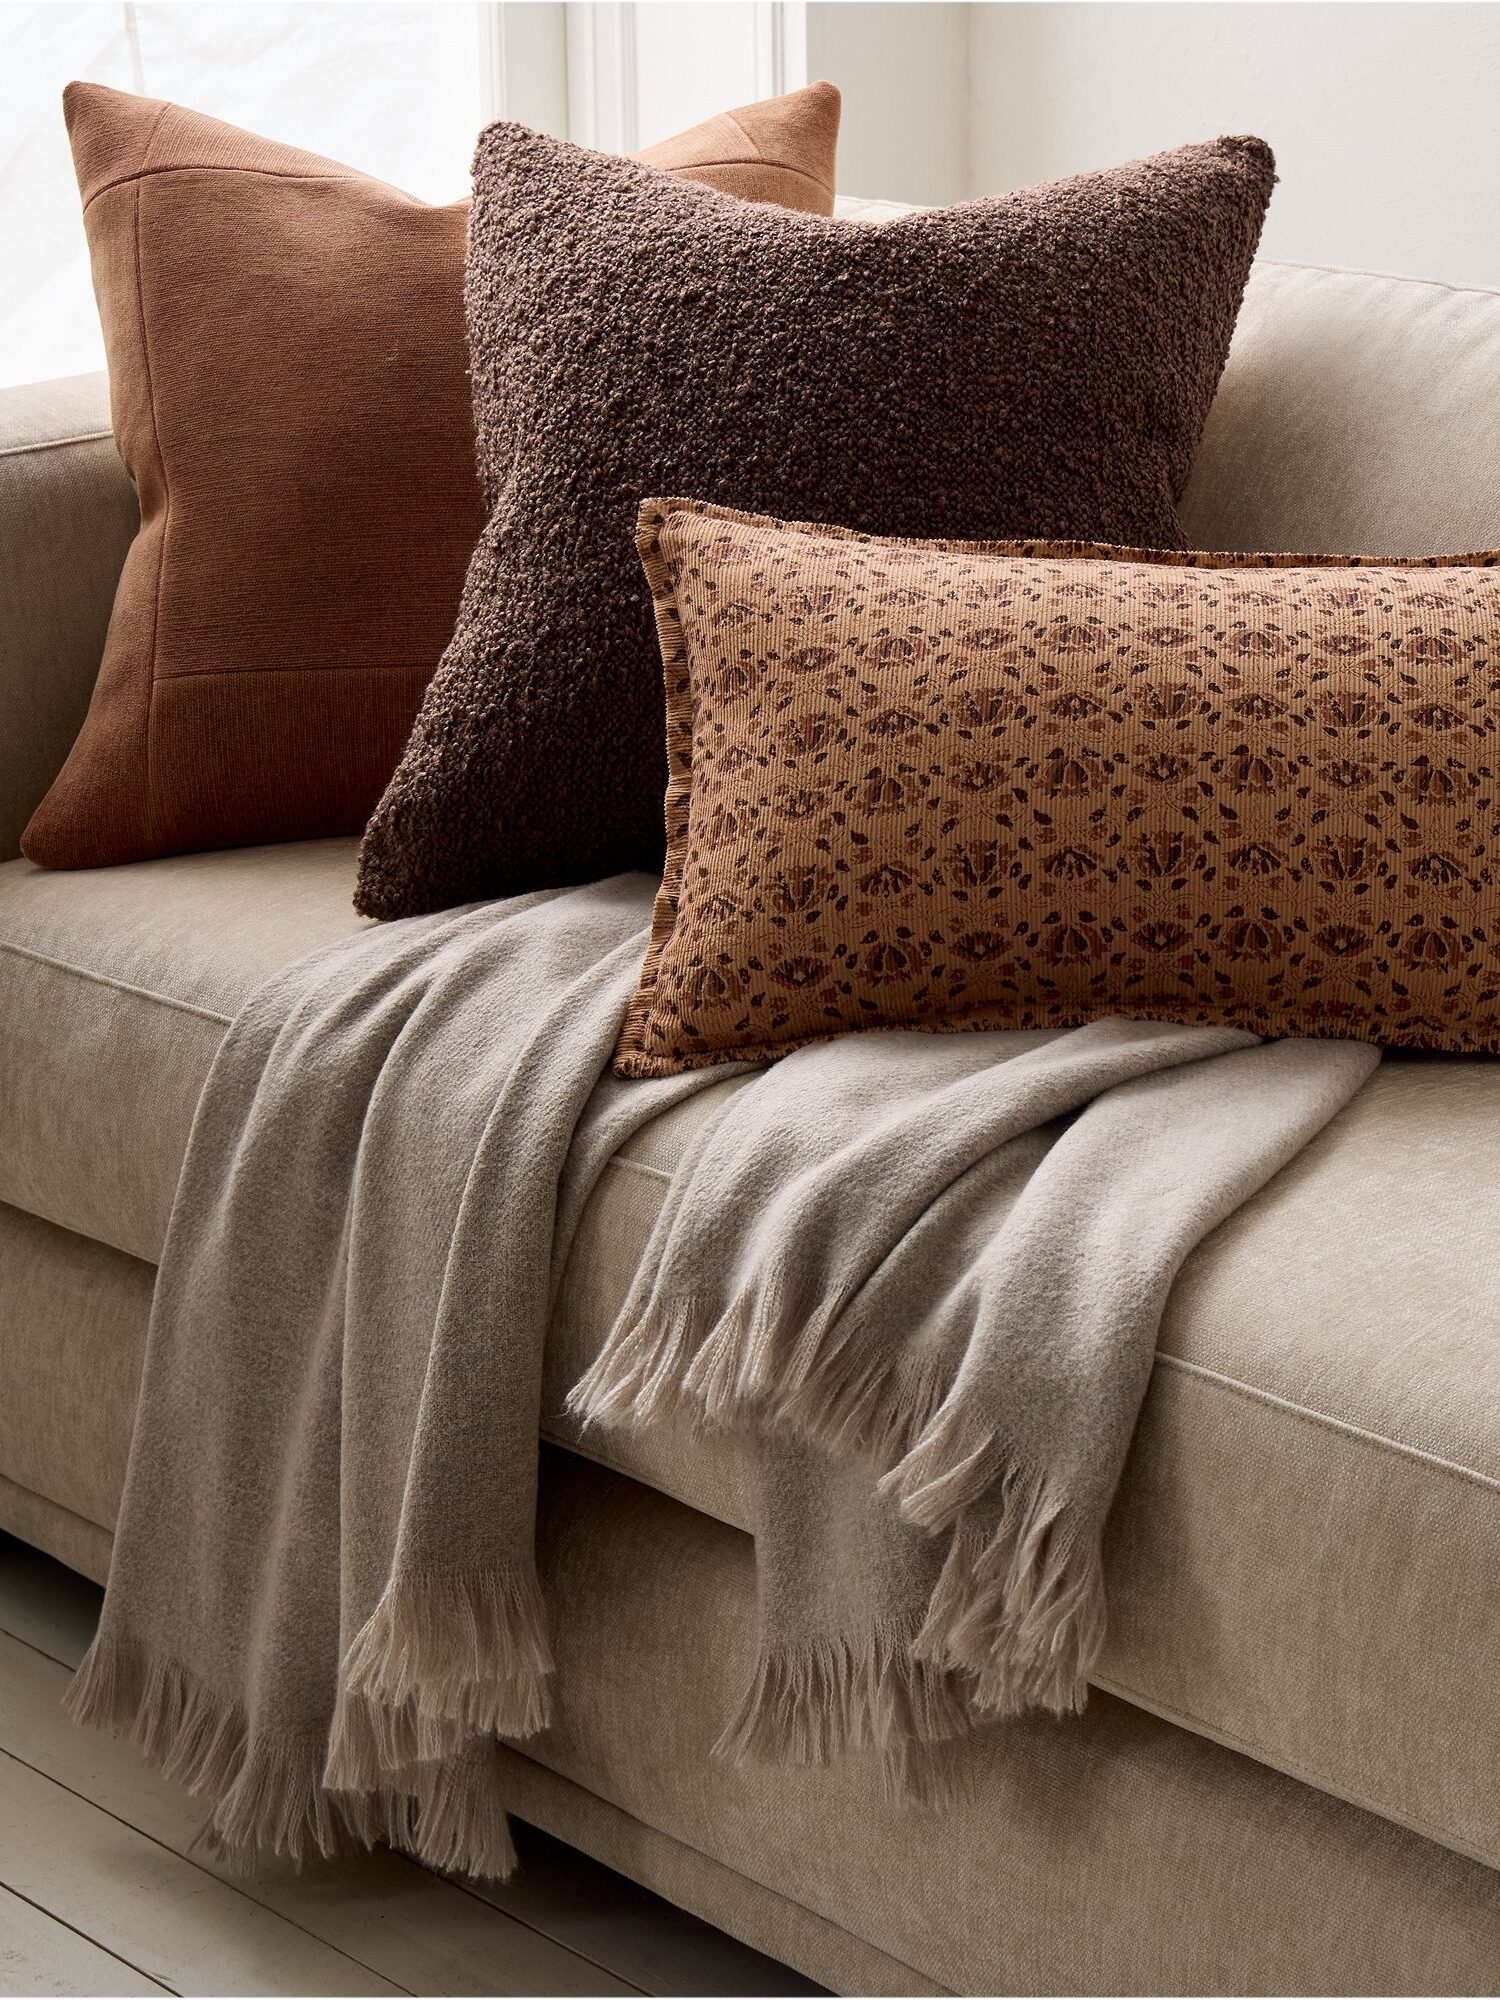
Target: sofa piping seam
(1391,277)
(62,1506)
(1468,1474)
(53,444)
(118,985)
(524,1750)
(1213,1732)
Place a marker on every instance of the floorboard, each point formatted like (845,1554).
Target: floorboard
(40,1955)
(563,1925)
(645,1939)
(422,1933)
(146,1905)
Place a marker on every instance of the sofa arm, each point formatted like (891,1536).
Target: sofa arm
(67,515)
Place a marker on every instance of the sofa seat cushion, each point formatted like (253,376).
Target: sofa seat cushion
(116,985)
(1301,1560)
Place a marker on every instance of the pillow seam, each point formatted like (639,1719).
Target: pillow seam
(149,816)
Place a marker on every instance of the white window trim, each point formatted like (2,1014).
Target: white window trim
(602,99)
(569,66)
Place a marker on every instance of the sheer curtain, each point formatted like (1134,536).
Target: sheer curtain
(398,90)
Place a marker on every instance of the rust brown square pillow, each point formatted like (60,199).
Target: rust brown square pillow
(1038,364)
(289,388)
(947,786)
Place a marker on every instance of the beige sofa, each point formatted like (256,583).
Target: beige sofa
(1289,1779)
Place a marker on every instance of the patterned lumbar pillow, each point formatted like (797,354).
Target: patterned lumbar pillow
(1038,364)
(942,785)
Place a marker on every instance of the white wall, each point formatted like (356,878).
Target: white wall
(903,70)
(1385,118)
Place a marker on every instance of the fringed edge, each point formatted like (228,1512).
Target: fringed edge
(842,1393)
(462,1649)
(1020,1603)
(270,1793)
(819,1377)
(456,1823)
(813,1703)
(1019,1609)
(268,1796)
(639,1375)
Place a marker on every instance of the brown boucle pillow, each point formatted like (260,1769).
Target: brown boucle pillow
(1022,786)
(1039,364)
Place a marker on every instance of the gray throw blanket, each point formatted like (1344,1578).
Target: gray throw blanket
(924,1272)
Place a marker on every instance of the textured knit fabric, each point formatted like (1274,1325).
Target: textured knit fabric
(924,1274)
(290,395)
(1023,785)
(323,1609)
(1039,364)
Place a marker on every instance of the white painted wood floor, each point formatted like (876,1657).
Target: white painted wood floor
(100,1895)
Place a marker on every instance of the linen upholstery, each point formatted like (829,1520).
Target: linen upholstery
(116,986)
(1108,1854)
(1297,1557)
(1357,413)
(67,515)
(72,1341)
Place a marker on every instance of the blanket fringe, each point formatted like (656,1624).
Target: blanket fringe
(813,1703)
(817,1377)
(456,1823)
(270,1794)
(1019,1608)
(466,1648)
(639,1376)
(1020,1603)
(268,1797)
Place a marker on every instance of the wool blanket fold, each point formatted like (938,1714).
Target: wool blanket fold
(923,1273)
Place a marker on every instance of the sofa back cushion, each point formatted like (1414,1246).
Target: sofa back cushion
(1358,414)
(289,390)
